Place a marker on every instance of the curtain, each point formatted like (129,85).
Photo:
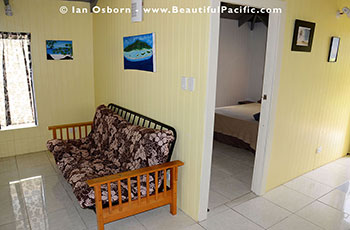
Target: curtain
(17,105)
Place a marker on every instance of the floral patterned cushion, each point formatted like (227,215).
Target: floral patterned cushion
(113,146)
(105,123)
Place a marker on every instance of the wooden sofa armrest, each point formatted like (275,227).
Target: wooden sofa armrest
(141,204)
(76,129)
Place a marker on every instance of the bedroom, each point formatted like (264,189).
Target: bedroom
(241,61)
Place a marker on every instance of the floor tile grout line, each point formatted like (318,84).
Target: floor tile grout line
(230,198)
(144,226)
(231,175)
(245,163)
(296,213)
(248,218)
(202,225)
(284,185)
(290,213)
(307,219)
(306,194)
(348,214)
(280,221)
(12,222)
(313,199)
(293,212)
(320,182)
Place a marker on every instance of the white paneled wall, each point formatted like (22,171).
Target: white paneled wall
(241,62)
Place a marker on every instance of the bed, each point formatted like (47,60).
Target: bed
(235,125)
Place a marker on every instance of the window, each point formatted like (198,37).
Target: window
(17,100)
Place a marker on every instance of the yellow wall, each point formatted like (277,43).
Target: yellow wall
(182,46)
(313,104)
(64,89)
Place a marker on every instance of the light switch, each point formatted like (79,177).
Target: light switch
(184,83)
(136,10)
(191,84)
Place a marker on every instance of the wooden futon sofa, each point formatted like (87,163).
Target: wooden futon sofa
(118,164)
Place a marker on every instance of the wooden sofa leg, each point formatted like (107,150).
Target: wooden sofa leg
(100,225)
(173,184)
(173,208)
(98,205)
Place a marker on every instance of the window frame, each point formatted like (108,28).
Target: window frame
(31,76)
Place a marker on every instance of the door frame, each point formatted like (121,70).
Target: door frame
(273,63)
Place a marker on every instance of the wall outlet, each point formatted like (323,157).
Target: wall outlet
(191,84)
(184,83)
(319,150)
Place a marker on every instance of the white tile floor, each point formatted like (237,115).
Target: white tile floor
(231,174)
(317,200)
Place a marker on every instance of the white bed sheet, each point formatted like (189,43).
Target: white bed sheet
(242,112)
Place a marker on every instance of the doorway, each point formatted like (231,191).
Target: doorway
(269,94)
(240,76)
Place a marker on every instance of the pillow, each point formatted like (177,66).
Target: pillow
(140,147)
(256,116)
(105,124)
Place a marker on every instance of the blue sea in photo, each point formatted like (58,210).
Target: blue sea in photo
(146,65)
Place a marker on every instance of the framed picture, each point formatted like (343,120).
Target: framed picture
(59,50)
(303,36)
(333,51)
(139,52)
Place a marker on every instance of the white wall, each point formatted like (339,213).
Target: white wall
(241,62)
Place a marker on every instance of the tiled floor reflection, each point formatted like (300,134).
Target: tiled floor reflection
(35,196)
(28,203)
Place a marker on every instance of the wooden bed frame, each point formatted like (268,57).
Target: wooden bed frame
(164,196)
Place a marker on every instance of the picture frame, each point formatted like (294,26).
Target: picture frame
(334,49)
(303,36)
(140,52)
(59,50)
